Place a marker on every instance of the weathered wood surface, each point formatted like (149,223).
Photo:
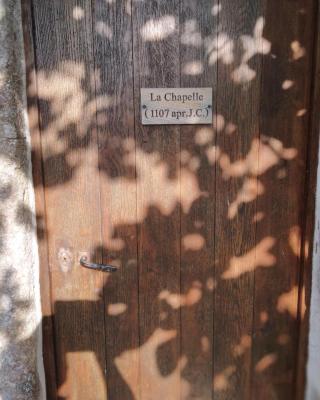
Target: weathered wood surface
(206,223)
(235,209)
(308,221)
(116,136)
(197,225)
(33,116)
(64,60)
(156,64)
(284,117)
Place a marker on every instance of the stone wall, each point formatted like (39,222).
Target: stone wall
(21,371)
(21,368)
(313,368)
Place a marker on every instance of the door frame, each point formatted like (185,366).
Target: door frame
(48,348)
(308,216)
(310,211)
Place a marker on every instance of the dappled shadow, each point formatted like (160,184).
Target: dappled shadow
(166,374)
(204,223)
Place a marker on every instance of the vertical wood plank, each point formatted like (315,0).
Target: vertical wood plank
(63,32)
(285,110)
(156,64)
(226,204)
(37,173)
(237,126)
(198,28)
(307,249)
(112,30)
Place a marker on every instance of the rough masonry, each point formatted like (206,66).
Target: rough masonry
(21,371)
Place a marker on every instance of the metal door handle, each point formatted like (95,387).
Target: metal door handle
(98,267)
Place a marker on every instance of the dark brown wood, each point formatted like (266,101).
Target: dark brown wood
(37,173)
(197,27)
(237,125)
(112,30)
(64,58)
(284,113)
(309,212)
(209,225)
(156,64)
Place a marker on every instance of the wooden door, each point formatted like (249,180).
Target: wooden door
(205,223)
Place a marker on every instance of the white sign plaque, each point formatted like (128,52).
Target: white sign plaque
(177,106)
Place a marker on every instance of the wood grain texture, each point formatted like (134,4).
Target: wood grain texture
(45,282)
(156,64)
(207,224)
(114,93)
(64,67)
(309,212)
(235,232)
(197,27)
(285,105)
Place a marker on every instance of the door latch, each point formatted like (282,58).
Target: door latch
(98,267)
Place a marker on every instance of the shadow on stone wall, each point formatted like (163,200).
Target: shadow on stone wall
(73,125)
